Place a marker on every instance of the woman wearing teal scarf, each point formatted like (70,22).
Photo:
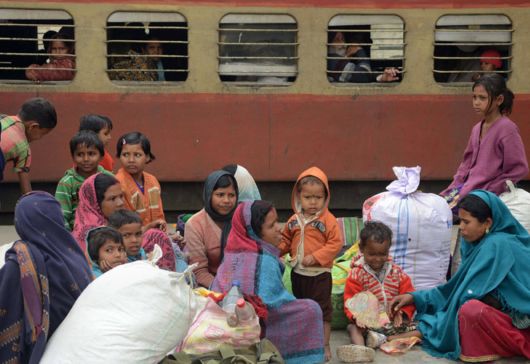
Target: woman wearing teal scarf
(483,312)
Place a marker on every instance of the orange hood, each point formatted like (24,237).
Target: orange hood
(315,172)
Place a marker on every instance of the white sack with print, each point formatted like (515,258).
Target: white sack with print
(134,313)
(421,224)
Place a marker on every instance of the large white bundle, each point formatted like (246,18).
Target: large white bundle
(518,202)
(135,313)
(421,225)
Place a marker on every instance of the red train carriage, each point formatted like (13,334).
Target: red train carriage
(256,82)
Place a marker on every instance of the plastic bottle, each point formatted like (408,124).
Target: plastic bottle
(229,303)
(245,312)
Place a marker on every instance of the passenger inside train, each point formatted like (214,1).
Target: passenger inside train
(490,61)
(61,65)
(153,50)
(349,60)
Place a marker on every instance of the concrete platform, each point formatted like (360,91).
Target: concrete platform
(415,355)
(338,337)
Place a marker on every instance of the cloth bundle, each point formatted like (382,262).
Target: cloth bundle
(421,224)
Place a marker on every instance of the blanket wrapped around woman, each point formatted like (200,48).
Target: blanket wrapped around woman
(43,275)
(293,325)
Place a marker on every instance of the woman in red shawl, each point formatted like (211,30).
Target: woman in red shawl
(251,256)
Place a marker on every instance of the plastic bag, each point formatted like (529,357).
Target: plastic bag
(210,330)
(399,346)
(518,202)
(366,310)
(339,273)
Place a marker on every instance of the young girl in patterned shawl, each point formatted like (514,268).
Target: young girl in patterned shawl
(43,275)
(99,196)
(207,231)
(251,256)
(483,312)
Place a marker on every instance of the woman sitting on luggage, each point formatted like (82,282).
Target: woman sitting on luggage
(251,256)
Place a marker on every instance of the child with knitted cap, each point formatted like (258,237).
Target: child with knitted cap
(490,60)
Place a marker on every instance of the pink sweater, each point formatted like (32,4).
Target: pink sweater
(489,162)
(203,246)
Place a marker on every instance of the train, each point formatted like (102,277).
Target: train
(249,82)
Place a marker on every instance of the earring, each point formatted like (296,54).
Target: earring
(487,230)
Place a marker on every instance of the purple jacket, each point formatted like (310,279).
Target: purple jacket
(487,164)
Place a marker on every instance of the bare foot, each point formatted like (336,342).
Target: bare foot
(327,353)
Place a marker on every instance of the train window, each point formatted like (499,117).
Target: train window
(145,47)
(467,46)
(258,49)
(36,45)
(365,49)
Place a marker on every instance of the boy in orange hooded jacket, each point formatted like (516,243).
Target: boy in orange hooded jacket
(312,237)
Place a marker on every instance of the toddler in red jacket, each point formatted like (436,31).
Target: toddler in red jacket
(374,271)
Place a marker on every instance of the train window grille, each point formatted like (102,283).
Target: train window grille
(147,47)
(258,49)
(361,47)
(462,42)
(29,39)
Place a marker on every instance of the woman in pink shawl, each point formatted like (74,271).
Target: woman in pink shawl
(99,196)
(251,256)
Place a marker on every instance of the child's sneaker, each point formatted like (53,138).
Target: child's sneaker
(375,339)
(355,353)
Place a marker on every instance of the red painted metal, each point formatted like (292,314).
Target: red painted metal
(275,136)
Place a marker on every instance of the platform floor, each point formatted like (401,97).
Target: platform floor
(338,337)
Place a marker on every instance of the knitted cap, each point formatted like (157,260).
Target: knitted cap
(491,56)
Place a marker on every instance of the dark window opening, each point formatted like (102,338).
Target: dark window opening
(147,47)
(365,49)
(36,45)
(467,46)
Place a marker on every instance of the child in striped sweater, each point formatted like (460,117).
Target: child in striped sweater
(374,271)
